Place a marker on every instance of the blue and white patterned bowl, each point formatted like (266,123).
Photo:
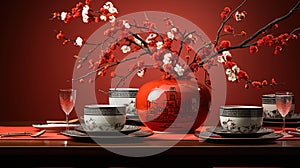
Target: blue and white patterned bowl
(241,119)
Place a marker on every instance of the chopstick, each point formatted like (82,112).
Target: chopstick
(14,134)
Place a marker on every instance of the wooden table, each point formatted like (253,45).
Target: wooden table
(74,153)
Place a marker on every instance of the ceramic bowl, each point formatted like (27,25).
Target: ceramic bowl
(241,119)
(103,117)
(270,110)
(124,96)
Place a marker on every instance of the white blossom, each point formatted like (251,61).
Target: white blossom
(63,15)
(112,10)
(232,77)
(126,24)
(108,5)
(84,14)
(159,45)
(239,16)
(140,73)
(179,70)
(170,35)
(112,19)
(174,29)
(235,69)
(150,37)
(103,17)
(228,71)
(226,53)
(125,49)
(167,58)
(79,41)
(221,59)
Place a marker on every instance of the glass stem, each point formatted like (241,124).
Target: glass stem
(67,121)
(283,125)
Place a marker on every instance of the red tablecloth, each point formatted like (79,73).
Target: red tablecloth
(47,135)
(50,134)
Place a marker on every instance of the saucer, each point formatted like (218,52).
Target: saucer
(224,133)
(126,130)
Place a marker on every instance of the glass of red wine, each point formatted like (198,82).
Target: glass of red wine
(67,98)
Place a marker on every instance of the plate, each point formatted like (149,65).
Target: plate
(220,131)
(54,126)
(209,136)
(127,129)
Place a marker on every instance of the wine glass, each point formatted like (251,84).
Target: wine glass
(283,105)
(67,99)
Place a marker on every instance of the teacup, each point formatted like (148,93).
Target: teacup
(241,119)
(104,117)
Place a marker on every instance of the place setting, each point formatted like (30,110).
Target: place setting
(105,122)
(239,124)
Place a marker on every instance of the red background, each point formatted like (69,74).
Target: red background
(34,65)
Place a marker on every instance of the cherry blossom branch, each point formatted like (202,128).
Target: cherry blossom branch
(245,42)
(271,24)
(225,21)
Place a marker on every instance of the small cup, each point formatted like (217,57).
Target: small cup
(104,117)
(241,119)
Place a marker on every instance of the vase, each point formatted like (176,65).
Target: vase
(170,105)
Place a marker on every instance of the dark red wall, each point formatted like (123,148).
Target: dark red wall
(34,65)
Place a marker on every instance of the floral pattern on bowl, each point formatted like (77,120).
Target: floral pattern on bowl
(238,125)
(91,125)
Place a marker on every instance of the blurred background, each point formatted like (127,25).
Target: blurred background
(34,64)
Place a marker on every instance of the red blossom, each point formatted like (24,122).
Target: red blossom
(243,33)
(273,82)
(264,83)
(253,49)
(112,74)
(60,35)
(228,29)
(277,50)
(225,13)
(242,75)
(225,44)
(256,84)
(229,64)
